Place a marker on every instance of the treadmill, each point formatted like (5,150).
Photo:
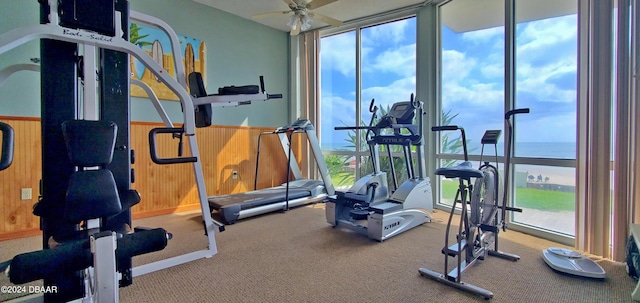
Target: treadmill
(296,192)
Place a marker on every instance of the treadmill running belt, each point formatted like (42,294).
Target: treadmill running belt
(257,198)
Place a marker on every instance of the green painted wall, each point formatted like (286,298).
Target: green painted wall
(20,94)
(238,52)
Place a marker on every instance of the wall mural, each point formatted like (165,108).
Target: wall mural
(157,44)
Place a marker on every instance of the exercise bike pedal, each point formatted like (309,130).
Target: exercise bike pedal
(454,250)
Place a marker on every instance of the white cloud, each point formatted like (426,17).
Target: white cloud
(456,66)
(484,35)
(489,95)
(536,37)
(556,128)
(389,33)
(333,105)
(398,90)
(460,87)
(538,60)
(533,80)
(400,60)
(339,53)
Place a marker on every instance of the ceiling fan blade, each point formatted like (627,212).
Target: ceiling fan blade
(296,30)
(270,14)
(325,19)
(290,3)
(318,3)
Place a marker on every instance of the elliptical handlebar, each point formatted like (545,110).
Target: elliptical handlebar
(355,127)
(372,108)
(414,102)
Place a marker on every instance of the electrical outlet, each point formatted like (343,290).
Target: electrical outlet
(234,174)
(25,194)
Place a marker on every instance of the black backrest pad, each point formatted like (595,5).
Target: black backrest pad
(196,85)
(89,143)
(204,113)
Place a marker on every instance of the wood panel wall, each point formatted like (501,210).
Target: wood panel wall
(25,172)
(163,188)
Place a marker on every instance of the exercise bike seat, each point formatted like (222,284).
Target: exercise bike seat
(463,170)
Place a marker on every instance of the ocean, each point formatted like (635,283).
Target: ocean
(554,150)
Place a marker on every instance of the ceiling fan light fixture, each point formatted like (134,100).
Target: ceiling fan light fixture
(301,15)
(306,22)
(292,22)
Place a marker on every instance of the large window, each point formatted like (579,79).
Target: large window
(375,62)
(478,59)
(472,91)
(546,82)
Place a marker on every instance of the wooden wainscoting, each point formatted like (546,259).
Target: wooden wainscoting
(25,172)
(163,188)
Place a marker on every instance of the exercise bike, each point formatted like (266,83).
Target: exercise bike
(482,215)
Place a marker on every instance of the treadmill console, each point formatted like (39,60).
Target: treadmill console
(300,124)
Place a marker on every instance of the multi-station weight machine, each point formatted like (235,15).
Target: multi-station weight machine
(78,39)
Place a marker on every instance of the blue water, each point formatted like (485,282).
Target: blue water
(555,150)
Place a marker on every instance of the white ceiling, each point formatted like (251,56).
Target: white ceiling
(458,15)
(343,10)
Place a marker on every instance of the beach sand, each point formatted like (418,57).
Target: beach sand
(555,175)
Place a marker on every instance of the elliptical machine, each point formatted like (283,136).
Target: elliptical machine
(373,187)
(482,215)
(366,207)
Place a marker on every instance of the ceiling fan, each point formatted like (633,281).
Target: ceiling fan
(302,14)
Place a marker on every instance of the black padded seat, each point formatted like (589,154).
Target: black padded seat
(463,170)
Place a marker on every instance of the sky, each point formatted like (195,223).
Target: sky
(472,77)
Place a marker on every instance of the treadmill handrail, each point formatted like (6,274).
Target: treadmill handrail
(279,131)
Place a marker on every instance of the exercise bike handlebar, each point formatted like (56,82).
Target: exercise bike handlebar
(507,163)
(454,127)
(510,113)
(444,127)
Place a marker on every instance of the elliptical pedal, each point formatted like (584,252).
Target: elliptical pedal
(359,214)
